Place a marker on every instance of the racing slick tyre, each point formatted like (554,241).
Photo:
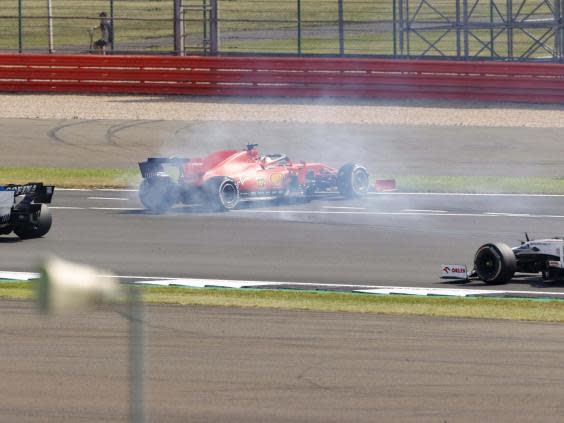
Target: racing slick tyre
(222,193)
(158,194)
(38,225)
(353,180)
(495,263)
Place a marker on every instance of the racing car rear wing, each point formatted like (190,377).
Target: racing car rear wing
(153,166)
(34,191)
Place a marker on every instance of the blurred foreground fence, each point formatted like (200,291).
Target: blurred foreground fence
(463,29)
(283,76)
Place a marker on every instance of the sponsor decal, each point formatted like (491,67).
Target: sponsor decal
(260,181)
(243,179)
(6,203)
(454,271)
(276,179)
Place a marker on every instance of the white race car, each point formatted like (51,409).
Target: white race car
(496,263)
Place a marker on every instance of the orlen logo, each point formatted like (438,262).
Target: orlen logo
(447,269)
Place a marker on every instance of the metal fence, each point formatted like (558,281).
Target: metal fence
(462,29)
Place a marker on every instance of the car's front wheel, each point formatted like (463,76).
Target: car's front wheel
(353,181)
(495,263)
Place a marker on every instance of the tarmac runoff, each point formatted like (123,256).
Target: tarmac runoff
(306,286)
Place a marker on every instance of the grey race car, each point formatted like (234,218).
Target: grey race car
(24,211)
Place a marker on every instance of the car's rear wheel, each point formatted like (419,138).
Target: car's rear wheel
(222,193)
(353,181)
(158,194)
(495,263)
(38,225)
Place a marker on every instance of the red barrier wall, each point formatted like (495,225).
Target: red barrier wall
(281,76)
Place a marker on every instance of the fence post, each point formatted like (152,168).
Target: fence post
(466,31)
(511,22)
(394,28)
(178,28)
(214,33)
(401,24)
(457,28)
(299,18)
(20,29)
(341,28)
(50,25)
(558,31)
(113,35)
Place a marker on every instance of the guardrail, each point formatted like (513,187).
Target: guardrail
(280,76)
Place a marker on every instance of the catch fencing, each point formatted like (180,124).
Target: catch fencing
(520,30)
(283,76)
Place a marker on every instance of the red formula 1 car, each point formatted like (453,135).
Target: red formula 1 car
(224,178)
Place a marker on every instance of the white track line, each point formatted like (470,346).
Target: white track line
(228,283)
(116,208)
(368,213)
(344,207)
(464,194)
(109,198)
(423,211)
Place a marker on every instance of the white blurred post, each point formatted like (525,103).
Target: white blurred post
(135,318)
(66,287)
(50,25)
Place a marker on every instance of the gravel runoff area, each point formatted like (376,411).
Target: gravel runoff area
(336,111)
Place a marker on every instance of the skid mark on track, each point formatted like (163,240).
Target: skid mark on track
(53,133)
(111,134)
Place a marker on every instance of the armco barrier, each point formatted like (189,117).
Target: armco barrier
(274,76)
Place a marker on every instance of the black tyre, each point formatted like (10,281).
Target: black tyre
(39,224)
(158,194)
(222,193)
(353,181)
(495,263)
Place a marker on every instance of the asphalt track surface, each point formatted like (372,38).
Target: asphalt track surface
(234,365)
(385,239)
(386,150)
(208,364)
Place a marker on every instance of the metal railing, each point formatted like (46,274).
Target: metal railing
(452,29)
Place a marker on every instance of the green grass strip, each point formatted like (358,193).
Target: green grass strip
(481,308)
(481,184)
(72,177)
(130,177)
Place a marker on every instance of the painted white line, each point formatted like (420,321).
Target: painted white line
(344,207)
(423,211)
(116,208)
(18,276)
(464,194)
(429,291)
(117,189)
(371,289)
(367,213)
(508,214)
(65,208)
(227,283)
(73,189)
(108,198)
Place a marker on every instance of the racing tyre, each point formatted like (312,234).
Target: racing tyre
(158,194)
(353,181)
(222,193)
(39,224)
(495,263)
